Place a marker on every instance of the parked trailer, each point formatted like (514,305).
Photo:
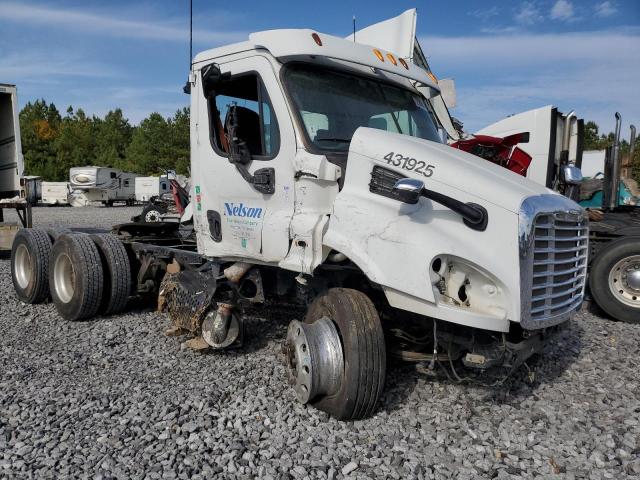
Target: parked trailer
(16,191)
(397,244)
(55,193)
(101,184)
(148,187)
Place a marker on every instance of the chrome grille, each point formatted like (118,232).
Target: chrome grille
(554,248)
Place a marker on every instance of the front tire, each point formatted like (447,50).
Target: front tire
(345,381)
(30,265)
(152,213)
(76,278)
(614,279)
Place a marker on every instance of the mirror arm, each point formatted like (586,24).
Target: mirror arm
(474,216)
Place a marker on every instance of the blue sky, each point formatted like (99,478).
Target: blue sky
(505,56)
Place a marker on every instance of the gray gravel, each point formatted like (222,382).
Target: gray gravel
(115,398)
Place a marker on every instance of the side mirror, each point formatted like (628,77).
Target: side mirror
(211,77)
(572,175)
(408,190)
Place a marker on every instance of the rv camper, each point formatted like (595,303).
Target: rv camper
(100,184)
(148,187)
(55,193)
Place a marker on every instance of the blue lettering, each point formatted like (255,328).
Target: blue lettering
(240,210)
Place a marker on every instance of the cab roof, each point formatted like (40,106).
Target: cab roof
(291,44)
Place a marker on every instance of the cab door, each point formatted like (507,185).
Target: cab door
(233,218)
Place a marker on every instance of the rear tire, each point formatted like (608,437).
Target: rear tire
(117,273)
(362,338)
(30,265)
(614,279)
(76,278)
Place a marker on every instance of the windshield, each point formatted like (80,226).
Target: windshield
(333,104)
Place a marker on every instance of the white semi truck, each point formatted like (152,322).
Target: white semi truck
(101,184)
(319,178)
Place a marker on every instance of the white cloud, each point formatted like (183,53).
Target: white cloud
(504,74)
(528,14)
(485,14)
(30,65)
(106,23)
(562,10)
(606,9)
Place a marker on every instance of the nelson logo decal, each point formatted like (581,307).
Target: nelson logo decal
(239,210)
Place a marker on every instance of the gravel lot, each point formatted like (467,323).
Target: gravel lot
(115,398)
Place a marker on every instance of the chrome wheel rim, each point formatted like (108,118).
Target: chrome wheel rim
(23,266)
(64,278)
(624,281)
(315,358)
(152,216)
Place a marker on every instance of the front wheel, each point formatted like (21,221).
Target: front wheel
(152,213)
(337,357)
(614,279)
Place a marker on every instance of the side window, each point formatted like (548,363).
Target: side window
(113,175)
(257,124)
(126,183)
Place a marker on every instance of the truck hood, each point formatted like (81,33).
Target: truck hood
(475,179)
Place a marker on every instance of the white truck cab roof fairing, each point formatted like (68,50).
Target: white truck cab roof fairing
(290,44)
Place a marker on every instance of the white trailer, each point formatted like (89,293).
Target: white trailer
(16,192)
(11,160)
(55,193)
(100,184)
(319,178)
(148,187)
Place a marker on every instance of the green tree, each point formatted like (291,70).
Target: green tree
(149,152)
(40,127)
(76,144)
(180,141)
(112,137)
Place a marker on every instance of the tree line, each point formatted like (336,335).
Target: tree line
(53,143)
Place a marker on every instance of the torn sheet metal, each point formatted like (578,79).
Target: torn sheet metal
(186,296)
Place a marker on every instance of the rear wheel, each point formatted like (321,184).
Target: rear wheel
(30,265)
(614,279)
(337,356)
(117,273)
(76,277)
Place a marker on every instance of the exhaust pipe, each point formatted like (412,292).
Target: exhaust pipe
(632,142)
(615,165)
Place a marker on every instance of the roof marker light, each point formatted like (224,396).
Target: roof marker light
(316,38)
(378,54)
(392,59)
(432,77)
(403,63)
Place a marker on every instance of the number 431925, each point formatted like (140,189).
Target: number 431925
(411,164)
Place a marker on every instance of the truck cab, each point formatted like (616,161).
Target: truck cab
(320,180)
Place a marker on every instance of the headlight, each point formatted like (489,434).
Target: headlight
(460,284)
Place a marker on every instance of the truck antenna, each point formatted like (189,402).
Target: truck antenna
(190,33)
(187,86)
(354,28)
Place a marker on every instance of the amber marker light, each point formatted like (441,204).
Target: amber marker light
(403,63)
(378,54)
(317,39)
(392,59)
